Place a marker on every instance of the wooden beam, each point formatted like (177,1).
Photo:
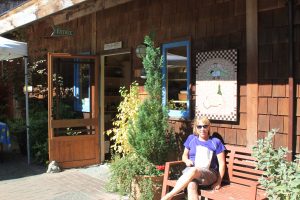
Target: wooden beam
(252,71)
(85,9)
(32,11)
(291,137)
(65,123)
(94,34)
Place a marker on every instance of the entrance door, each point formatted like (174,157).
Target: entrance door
(73,128)
(116,73)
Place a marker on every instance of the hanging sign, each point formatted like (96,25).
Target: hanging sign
(60,32)
(114,45)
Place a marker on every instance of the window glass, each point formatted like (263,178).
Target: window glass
(82,87)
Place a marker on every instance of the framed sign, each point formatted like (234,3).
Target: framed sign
(216,85)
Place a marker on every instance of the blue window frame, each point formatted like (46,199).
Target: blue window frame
(176,78)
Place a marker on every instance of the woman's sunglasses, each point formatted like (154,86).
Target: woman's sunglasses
(202,126)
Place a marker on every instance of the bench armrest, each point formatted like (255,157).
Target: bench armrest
(167,183)
(168,167)
(171,163)
(254,189)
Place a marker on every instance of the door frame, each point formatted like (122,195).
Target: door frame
(102,95)
(56,145)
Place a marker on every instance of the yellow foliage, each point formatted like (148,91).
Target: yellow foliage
(127,113)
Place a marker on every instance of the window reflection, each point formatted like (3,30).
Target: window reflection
(177,78)
(72,82)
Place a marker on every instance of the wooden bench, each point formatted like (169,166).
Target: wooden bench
(239,183)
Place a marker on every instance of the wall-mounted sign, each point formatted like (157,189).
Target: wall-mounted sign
(114,45)
(60,32)
(216,85)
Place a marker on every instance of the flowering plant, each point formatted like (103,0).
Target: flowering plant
(160,168)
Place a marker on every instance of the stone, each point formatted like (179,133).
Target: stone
(53,167)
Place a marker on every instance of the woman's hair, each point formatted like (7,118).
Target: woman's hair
(203,119)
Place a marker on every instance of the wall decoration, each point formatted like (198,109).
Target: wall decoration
(216,85)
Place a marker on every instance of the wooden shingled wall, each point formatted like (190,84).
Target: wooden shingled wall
(273,102)
(41,42)
(211,25)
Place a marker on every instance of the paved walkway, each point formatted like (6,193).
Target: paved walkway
(18,181)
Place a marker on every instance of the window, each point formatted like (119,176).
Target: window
(176,78)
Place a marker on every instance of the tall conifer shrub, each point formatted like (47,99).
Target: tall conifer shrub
(148,136)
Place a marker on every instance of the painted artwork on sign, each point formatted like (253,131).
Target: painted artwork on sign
(216,85)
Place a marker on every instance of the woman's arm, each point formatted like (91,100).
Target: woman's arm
(185,158)
(222,166)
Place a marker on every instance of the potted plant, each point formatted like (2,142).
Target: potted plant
(148,135)
(138,170)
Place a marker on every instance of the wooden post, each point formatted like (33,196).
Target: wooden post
(291,139)
(252,71)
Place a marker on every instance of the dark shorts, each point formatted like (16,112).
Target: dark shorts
(207,176)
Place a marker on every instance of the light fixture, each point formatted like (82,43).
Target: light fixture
(29,88)
(140,50)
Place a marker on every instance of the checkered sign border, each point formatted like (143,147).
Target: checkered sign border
(201,57)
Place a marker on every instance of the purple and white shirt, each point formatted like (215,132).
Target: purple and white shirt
(212,144)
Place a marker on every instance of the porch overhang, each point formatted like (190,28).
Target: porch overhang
(61,11)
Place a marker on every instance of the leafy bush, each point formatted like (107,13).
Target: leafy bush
(17,128)
(39,131)
(127,113)
(282,178)
(124,170)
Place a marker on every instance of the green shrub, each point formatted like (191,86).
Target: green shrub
(124,170)
(39,131)
(281,178)
(148,135)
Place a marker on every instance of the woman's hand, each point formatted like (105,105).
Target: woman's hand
(217,184)
(185,158)
(221,160)
(189,163)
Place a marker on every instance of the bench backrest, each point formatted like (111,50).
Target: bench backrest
(241,166)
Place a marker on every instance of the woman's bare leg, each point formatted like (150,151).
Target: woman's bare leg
(192,190)
(182,182)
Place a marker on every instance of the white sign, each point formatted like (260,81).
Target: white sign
(114,45)
(216,84)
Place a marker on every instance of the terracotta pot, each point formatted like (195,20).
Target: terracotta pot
(156,187)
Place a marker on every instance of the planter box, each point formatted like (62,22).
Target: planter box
(156,187)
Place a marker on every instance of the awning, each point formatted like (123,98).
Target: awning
(10,49)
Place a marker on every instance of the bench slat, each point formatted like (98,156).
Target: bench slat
(232,192)
(246,170)
(244,157)
(244,162)
(240,178)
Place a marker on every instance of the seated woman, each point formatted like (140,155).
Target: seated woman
(205,160)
